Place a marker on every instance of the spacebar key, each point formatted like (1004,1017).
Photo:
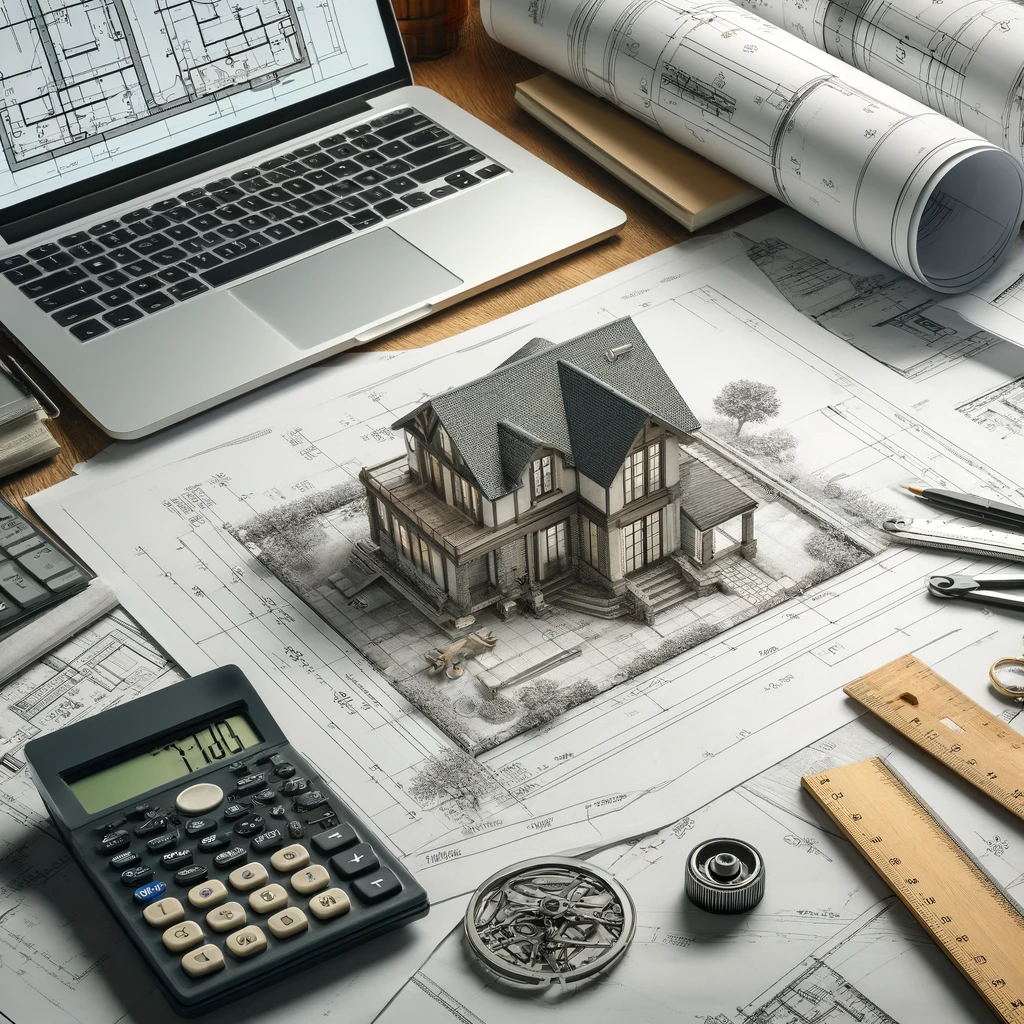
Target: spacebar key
(271,254)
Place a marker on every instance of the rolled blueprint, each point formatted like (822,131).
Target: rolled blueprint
(963,58)
(927,196)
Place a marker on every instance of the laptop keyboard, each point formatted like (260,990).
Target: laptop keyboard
(119,271)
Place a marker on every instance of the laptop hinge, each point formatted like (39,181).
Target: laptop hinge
(133,187)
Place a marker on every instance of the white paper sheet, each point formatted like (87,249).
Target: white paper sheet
(919,192)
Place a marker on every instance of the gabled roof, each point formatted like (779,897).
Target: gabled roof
(709,500)
(570,397)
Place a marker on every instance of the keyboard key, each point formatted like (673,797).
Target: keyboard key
(166,204)
(393,149)
(113,279)
(44,562)
(190,875)
(276,195)
(462,180)
(139,268)
(249,172)
(122,236)
(145,285)
(154,302)
(216,840)
(270,165)
(377,886)
(376,195)
(416,199)
(363,219)
(343,152)
(135,876)
(318,197)
(179,232)
(203,261)
(123,255)
(105,228)
(193,245)
(232,230)
(297,205)
(254,203)
(167,257)
(371,159)
(353,203)
(326,213)
(302,223)
(65,580)
(22,590)
(403,127)
(231,857)
(360,129)
(254,222)
(355,861)
(491,171)
(231,211)
(180,214)
(278,231)
(65,296)
(67,241)
(233,250)
(390,208)
(18,275)
(435,133)
(99,265)
(204,205)
(391,117)
(231,194)
(73,314)
(172,275)
(87,249)
(88,330)
(152,243)
(166,842)
(187,289)
(56,261)
(344,188)
(368,178)
(341,837)
(122,315)
(441,168)
(207,223)
(395,167)
(135,215)
(398,185)
(116,297)
(299,186)
(43,250)
(318,160)
(45,285)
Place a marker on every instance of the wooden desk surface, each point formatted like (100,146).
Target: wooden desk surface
(480,76)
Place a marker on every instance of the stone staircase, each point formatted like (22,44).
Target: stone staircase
(602,604)
(661,588)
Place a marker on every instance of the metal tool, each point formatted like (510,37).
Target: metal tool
(985,588)
(549,919)
(725,876)
(1007,676)
(967,540)
(954,900)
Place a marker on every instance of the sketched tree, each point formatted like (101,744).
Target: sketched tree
(452,775)
(747,401)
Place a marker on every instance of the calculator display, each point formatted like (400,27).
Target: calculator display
(219,740)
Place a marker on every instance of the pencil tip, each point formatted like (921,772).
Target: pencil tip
(914,489)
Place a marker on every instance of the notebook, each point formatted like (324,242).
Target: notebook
(24,437)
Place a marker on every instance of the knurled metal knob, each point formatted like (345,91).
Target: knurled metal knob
(725,876)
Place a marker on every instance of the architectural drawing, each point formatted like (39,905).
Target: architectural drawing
(964,59)
(1001,410)
(75,74)
(871,164)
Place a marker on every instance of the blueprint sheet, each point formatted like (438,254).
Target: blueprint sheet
(828,943)
(921,193)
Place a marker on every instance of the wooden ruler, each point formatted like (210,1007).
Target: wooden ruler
(954,901)
(932,713)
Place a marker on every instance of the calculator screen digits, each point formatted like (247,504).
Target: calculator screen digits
(219,740)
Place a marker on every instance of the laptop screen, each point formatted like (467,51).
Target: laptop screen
(90,86)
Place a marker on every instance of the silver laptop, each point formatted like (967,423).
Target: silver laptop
(197,199)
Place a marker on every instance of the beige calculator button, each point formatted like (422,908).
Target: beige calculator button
(286,923)
(180,937)
(226,918)
(204,960)
(164,912)
(268,899)
(290,858)
(330,903)
(311,879)
(249,876)
(246,941)
(199,799)
(207,894)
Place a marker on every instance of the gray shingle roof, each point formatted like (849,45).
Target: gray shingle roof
(709,499)
(568,397)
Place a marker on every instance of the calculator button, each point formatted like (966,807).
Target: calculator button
(138,812)
(247,783)
(356,861)
(214,842)
(12,527)
(114,841)
(202,961)
(249,876)
(233,811)
(265,796)
(135,876)
(279,811)
(378,886)
(207,894)
(44,562)
(164,912)
(286,923)
(239,768)
(332,903)
(64,580)
(110,826)
(290,858)
(166,842)
(226,918)
(294,786)
(247,941)
(296,830)
(176,859)
(268,899)
(310,879)
(124,860)
(268,841)
(250,826)
(339,838)
(180,937)
(308,801)
(153,826)
(200,826)
(199,799)
(284,771)
(150,891)
(229,857)
(19,587)
(191,874)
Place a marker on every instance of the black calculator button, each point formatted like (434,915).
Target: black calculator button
(296,830)
(114,841)
(134,877)
(149,892)
(339,838)
(249,826)
(330,903)
(107,826)
(233,811)
(284,771)
(269,840)
(138,812)
(200,826)
(167,842)
(215,841)
(176,858)
(239,767)
(153,826)
(378,886)
(279,811)
(191,875)
(120,861)
(294,786)
(355,861)
(247,783)
(268,759)
(308,801)
(229,858)
(265,796)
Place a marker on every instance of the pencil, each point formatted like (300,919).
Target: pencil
(972,507)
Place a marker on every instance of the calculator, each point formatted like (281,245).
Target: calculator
(214,843)
(35,571)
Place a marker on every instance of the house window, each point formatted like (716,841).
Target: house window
(467,498)
(589,542)
(446,441)
(641,542)
(654,467)
(641,472)
(435,474)
(554,548)
(416,549)
(543,476)
(382,516)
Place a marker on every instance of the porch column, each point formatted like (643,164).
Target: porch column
(748,545)
(707,551)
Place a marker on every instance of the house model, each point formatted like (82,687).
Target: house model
(562,476)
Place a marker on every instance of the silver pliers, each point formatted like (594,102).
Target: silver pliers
(986,588)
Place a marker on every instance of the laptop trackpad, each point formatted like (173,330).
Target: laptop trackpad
(340,290)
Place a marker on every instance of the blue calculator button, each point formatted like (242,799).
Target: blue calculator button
(151,891)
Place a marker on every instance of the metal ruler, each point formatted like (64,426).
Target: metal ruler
(944,722)
(955,902)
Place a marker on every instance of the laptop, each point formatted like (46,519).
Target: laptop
(196,199)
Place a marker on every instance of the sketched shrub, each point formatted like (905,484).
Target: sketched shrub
(833,552)
(496,710)
(452,775)
(673,646)
(435,705)
(580,692)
